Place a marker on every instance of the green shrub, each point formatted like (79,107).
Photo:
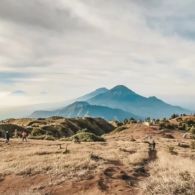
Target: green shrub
(119,129)
(49,137)
(85,137)
(83,131)
(171,149)
(166,125)
(192,145)
(182,126)
(38,137)
(37,132)
(192,130)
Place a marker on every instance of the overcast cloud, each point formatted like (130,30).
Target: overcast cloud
(67,48)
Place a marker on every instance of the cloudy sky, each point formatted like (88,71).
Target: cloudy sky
(57,50)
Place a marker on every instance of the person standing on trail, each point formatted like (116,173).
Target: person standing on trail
(153,145)
(7,136)
(24,136)
(16,133)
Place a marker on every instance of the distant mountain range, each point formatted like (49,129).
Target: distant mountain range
(117,103)
(84,109)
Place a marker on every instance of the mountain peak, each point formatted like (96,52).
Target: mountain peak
(122,89)
(80,103)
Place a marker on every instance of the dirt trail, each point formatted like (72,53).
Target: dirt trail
(114,179)
(143,171)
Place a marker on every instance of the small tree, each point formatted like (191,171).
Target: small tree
(192,130)
(126,121)
(174,116)
(193,145)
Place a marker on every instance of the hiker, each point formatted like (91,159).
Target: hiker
(153,145)
(24,136)
(16,133)
(7,136)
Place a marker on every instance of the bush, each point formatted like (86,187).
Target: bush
(168,136)
(85,137)
(183,145)
(192,145)
(38,137)
(174,116)
(192,130)
(119,129)
(37,132)
(83,131)
(49,137)
(182,126)
(171,149)
(166,125)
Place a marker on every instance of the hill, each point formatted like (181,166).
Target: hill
(121,97)
(82,109)
(57,127)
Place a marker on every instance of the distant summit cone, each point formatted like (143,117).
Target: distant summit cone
(122,90)
(121,97)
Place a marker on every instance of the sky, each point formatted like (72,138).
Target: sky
(52,51)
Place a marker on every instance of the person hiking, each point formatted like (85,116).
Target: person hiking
(7,136)
(15,133)
(24,136)
(153,145)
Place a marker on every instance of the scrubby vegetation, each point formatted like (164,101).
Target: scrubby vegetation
(56,127)
(170,175)
(9,127)
(85,137)
(120,128)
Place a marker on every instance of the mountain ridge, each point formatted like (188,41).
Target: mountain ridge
(119,100)
(123,98)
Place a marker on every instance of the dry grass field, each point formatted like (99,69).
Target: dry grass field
(122,165)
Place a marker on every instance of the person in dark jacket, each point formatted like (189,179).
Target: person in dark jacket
(7,136)
(153,145)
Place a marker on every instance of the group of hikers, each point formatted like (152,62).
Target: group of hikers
(22,134)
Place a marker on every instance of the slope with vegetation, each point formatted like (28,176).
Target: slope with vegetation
(56,127)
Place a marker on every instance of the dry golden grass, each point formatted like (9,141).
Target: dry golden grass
(36,156)
(113,164)
(172,173)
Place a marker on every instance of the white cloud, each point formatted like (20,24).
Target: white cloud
(69,47)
